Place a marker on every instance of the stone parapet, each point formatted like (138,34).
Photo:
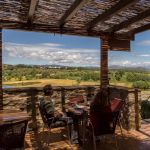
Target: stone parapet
(26,99)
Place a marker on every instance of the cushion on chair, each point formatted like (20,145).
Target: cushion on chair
(57,124)
(77,99)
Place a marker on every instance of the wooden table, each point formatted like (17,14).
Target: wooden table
(78,115)
(76,111)
(7,116)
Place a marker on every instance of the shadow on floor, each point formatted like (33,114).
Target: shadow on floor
(124,143)
(45,140)
(54,141)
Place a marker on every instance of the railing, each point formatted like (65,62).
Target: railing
(27,98)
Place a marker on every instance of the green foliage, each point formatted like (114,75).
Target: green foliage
(132,77)
(28,72)
(141,84)
(23,72)
(145,109)
(118,75)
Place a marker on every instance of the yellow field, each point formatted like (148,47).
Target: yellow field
(57,82)
(42,82)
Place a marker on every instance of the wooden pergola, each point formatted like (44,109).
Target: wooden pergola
(115,22)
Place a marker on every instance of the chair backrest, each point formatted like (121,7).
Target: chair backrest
(43,114)
(12,135)
(104,121)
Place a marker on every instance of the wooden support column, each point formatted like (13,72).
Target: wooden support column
(1,92)
(63,98)
(137,94)
(104,61)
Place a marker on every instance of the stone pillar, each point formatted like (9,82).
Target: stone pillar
(133,109)
(131,113)
(1,90)
(104,61)
(32,108)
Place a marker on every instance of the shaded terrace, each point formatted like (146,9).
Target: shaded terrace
(114,22)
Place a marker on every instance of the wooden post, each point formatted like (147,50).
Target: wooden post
(104,61)
(1,90)
(32,108)
(90,93)
(63,99)
(137,111)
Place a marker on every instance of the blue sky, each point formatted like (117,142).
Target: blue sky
(40,48)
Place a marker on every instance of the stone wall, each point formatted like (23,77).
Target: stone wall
(26,99)
(131,113)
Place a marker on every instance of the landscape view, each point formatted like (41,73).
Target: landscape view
(39,75)
(33,59)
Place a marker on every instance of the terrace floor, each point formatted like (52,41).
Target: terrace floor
(132,140)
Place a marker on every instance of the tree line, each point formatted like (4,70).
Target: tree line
(139,79)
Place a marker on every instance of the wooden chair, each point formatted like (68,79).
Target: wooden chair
(12,135)
(104,122)
(52,122)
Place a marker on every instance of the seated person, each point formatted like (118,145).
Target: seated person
(48,104)
(100,101)
(99,106)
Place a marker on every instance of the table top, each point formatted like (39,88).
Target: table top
(76,110)
(12,115)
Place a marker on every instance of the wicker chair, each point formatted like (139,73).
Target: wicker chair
(12,135)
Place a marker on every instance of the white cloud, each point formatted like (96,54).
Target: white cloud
(121,63)
(52,53)
(130,63)
(147,63)
(145,43)
(145,55)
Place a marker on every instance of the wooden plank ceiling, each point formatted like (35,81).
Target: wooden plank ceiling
(121,19)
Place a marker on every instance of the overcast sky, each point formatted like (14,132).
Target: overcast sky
(41,48)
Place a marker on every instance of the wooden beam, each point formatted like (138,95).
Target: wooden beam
(141,29)
(1,89)
(77,5)
(130,21)
(5,24)
(119,44)
(37,27)
(122,4)
(32,8)
(104,61)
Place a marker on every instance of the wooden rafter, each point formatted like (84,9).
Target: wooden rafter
(32,8)
(77,5)
(122,4)
(37,27)
(141,29)
(130,21)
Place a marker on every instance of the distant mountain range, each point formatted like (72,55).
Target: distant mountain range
(130,68)
(87,67)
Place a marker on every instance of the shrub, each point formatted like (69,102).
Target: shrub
(141,84)
(132,77)
(145,109)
